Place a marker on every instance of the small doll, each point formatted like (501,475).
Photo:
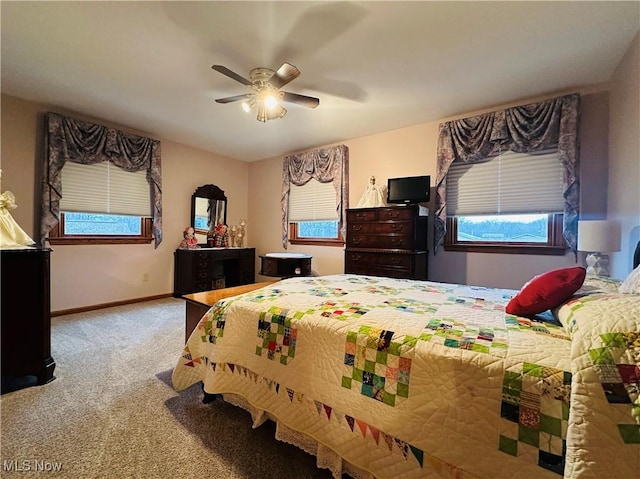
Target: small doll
(221,238)
(189,239)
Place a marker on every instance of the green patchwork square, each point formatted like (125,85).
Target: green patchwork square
(425,337)
(433,324)
(381,357)
(370,366)
(272,337)
(552,425)
(452,343)
(281,329)
(258,350)
(352,336)
(531,369)
(601,356)
(357,375)
(528,436)
(364,329)
(410,341)
(508,445)
(511,392)
(630,433)
(394,348)
(283,360)
(403,390)
(346,382)
(480,348)
(388,399)
(457,333)
(614,340)
(565,411)
(512,380)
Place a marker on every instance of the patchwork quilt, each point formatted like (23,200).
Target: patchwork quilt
(416,379)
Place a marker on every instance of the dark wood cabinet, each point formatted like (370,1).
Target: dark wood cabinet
(205,269)
(387,241)
(285,265)
(26,318)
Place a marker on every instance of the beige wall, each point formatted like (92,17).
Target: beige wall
(92,275)
(412,151)
(99,274)
(624,157)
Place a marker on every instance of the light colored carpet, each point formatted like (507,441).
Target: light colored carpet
(111,411)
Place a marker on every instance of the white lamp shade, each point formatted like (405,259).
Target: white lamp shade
(601,236)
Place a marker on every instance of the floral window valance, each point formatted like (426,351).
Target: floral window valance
(324,165)
(68,139)
(522,129)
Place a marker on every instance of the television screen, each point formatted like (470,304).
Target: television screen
(410,189)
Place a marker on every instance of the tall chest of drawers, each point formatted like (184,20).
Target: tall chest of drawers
(388,241)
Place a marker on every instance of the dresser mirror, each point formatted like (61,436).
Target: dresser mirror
(208,208)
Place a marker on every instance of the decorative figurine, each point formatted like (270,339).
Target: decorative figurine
(189,239)
(11,235)
(221,239)
(233,230)
(373,196)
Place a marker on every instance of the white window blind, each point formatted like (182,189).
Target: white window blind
(510,183)
(313,201)
(104,188)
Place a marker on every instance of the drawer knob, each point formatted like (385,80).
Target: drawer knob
(357,227)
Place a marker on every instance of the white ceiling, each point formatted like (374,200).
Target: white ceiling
(375,66)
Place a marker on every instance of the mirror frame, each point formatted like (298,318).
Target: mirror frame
(210,192)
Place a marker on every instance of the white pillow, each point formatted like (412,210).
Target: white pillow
(594,283)
(632,282)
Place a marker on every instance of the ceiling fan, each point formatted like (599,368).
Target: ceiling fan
(266,97)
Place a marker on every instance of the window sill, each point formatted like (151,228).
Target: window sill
(317,242)
(505,249)
(88,240)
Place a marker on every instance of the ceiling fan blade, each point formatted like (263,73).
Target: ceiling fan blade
(230,99)
(231,74)
(286,73)
(308,101)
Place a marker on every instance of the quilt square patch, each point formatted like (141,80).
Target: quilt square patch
(381,364)
(536,399)
(276,336)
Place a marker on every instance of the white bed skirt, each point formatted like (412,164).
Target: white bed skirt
(326,458)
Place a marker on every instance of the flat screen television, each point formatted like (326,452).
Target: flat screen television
(410,189)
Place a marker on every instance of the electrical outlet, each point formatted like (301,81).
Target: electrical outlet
(145,277)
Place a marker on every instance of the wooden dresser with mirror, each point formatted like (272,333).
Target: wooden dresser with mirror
(204,268)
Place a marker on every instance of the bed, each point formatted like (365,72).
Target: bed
(388,378)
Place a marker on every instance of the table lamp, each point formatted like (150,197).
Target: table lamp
(597,237)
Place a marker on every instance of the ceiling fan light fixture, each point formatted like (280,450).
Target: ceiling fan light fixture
(262,114)
(270,101)
(267,98)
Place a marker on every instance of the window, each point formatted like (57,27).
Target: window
(102,203)
(313,218)
(511,203)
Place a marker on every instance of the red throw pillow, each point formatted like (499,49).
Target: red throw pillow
(546,291)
